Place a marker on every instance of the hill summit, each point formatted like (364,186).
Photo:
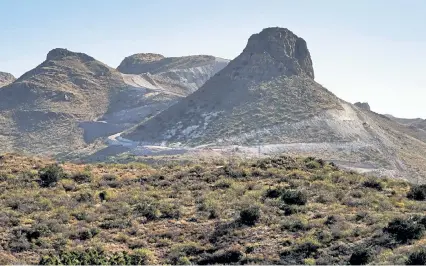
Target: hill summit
(269,84)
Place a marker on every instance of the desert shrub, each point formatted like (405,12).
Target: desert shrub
(294,197)
(50,175)
(19,244)
(404,230)
(274,193)
(222,257)
(223,183)
(361,256)
(87,257)
(417,258)
(373,183)
(80,216)
(183,260)
(114,223)
(68,185)
(178,253)
(141,256)
(110,181)
(83,177)
(99,257)
(417,192)
(250,215)
(299,252)
(295,224)
(109,177)
(85,234)
(169,210)
(147,209)
(291,209)
(313,165)
(84,196)
(234,171)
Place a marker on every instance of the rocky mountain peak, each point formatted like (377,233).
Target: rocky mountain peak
(363,105)
(61,53)
(6,78)
(282,49)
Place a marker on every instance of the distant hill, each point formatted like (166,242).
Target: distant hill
(417,123)
(187,73)
(6,79)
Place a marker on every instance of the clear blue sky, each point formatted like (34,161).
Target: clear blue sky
(363,50)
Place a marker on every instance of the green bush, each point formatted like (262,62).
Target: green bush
(417,192)
(250,215)
(417,258)
(404,230)
(274,193)
(294,197)
(361,256)
(147,209)
(222,257)
(141,256)
(373,183)
(50,175)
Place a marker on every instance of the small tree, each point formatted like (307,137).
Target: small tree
(50,175)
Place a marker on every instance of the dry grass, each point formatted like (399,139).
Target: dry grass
(191,213)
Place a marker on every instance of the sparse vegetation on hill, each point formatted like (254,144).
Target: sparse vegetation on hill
(278,210)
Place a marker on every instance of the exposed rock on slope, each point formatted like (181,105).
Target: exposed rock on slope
(6,79)
(267,95)
(365,106)
(182,74)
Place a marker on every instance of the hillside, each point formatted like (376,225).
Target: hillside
(42,108)
(417,123)
(278,210)
(268,97)
(71,102)
(6,79)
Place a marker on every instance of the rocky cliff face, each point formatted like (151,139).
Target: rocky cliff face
(364,105)
(6,79)
(280,51)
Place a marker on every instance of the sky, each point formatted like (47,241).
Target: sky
(363,50)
